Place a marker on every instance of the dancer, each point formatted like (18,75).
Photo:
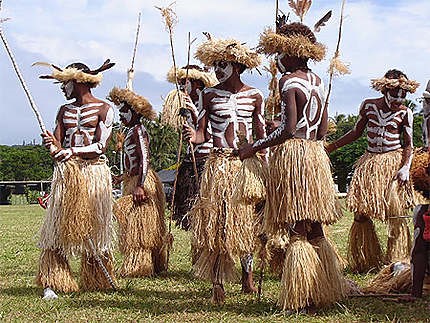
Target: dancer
(192,79)
(79,214)
(140,212)
(300,190)
(380,188)
(223,227)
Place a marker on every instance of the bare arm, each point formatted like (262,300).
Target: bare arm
(258,122)
(352,135)
(403,174)
(287,128)
(142,141)
(200,134)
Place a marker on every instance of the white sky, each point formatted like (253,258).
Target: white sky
(378,35)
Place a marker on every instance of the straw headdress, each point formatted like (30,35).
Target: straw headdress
(137,102)
(392,83)
(292,44)
(78,72)
(229,50)
(294,39)
(194,73)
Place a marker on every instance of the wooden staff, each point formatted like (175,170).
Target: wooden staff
(193,156)
(42,127)
(336,55)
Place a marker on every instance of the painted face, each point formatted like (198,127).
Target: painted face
(67,89)
(279,63)
(125,114)
(395,97)
(223,70)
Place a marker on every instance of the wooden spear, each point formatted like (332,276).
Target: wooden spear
(336,58)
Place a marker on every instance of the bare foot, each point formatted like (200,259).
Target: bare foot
(218,294)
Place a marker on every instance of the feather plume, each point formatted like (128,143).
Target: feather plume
(46,64)
(322,22)
(300,7)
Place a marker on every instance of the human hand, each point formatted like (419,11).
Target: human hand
(63,155)
(189,133)
(139,195)
(246,151)
(117,179)
(402,175)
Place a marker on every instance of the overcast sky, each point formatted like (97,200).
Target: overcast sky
(378,35)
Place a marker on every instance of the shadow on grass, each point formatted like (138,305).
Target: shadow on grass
(21,291)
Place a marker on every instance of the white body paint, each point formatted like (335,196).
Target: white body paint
(68,88)
(81,123)
(132,155)
(230,110)
(311,119)
(226,72)
(125,115)
(380,138)
(281,66)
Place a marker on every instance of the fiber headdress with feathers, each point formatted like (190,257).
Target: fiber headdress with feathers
(194,73)
(137,102)
(294,39)
(78,72)
(229,50)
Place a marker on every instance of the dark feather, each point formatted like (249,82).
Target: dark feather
(208,36)
(320,23)
(106,65)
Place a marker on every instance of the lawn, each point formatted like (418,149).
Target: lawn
(175,297)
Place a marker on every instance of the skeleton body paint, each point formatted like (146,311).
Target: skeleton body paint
(85,129)
(136,152)
(307,126)
(231,114)
(384,128)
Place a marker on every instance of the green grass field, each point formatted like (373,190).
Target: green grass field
(175,297)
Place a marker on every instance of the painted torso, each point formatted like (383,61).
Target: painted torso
(309,119)
(231,114)
(89,126)
(136,154)
(384,127)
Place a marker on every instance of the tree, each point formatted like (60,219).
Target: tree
(164,141)
(24,163)
(344,158)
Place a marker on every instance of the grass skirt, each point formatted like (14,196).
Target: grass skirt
(300,186)
(364,248)
(187,191)
(222,229)
(373,193)
(303,278)
(80,208)
(141,227)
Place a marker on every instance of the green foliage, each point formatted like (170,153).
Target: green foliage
(164,142)
(20,163)
(344,158)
